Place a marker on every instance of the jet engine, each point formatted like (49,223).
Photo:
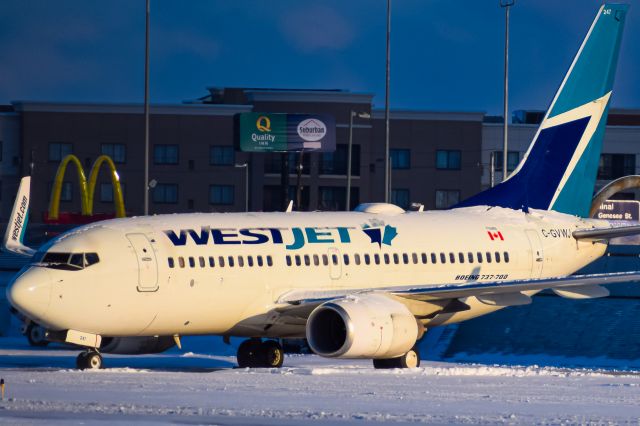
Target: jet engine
(362,326)
(136,345)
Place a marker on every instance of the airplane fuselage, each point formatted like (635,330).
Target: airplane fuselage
(224,273)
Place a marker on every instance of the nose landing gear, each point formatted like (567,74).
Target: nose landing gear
(89,360)
(255,353)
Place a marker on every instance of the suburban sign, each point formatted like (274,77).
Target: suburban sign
(273,132)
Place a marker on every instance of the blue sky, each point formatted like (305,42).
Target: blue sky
(445,55)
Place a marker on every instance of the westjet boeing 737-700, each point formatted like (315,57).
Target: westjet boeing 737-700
(361,284)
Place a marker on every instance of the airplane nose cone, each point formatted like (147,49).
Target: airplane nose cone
(30,293)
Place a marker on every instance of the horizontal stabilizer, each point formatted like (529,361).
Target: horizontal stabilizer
(606,233)
(582,292)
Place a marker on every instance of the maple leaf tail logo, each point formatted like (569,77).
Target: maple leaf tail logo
(381,235)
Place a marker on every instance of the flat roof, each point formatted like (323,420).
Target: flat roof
(378,114)
(131,108)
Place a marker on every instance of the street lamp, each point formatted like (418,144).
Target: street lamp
(507,5)
(246,183)
(387,163)
(351,115)
(146,110)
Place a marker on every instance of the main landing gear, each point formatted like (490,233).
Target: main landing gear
(89,360)
(409,360)
(256,353)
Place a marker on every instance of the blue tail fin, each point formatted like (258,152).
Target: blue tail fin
(558,172)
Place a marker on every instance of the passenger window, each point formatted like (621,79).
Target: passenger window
(231,262)
(434,259)
(497,254)
(346,259)
(376,258)
(221,261)
(405,258)
(181,262)
(307,260)
(288,259)
(461,257)
(201,259)
(334,257)
(250,261)
(171,264)
(396,258)
(386,259)
(424,258)
(443,258)
(212,262)
(240,261)
(506,257)
(452,258)
(414,257)
(192,262)
(479,255)
(356,257)
(316,260)
(259,259)
(367,259)
(470,257)
(298,261)
(325,260)
(488,257)
(269,261)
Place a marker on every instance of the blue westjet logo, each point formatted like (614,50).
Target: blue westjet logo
(291,238)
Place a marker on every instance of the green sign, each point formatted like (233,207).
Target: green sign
(273,132)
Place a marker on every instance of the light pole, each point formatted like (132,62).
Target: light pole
(506,4)
(146,110)
(387,183)
(246,183)
(351,115)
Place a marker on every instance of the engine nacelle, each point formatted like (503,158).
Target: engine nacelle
(366,326)
(136,345)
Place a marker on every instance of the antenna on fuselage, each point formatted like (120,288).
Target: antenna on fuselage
(289,207)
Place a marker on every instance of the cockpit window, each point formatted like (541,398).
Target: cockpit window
(67,261)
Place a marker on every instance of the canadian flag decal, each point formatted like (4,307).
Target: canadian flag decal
(494,234)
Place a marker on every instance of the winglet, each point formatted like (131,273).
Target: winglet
(14,235)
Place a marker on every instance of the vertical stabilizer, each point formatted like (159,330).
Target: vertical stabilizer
(558,172)
(17,226)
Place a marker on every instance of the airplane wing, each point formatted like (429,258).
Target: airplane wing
(496,293)
(598,234)
(14,235)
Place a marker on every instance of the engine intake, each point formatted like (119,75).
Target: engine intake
(367,326)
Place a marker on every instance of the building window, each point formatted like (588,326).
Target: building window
(400,158)
(221,155)
(272,198)
(613,166)
(59,150)
(106,192)
(513,158)
(273,163)
(165,154)
(165,193)
(117,152)
(400,197)
(446,198)
(221,194)
(448,159)
(332,198)
(335,163)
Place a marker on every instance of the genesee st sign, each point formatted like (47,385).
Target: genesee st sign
(619,210)
(276,132)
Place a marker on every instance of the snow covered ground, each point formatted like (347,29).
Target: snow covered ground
(199,388)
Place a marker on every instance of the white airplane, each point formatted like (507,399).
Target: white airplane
(361,284)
